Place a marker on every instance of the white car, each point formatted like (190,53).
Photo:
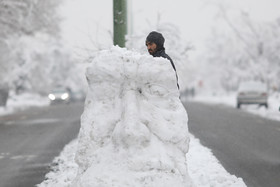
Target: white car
(59,95)
(252,93)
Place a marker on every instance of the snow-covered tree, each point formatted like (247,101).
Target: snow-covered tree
(43,64)
(245,50)
(27,17)
(32,58)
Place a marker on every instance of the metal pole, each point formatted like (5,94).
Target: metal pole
(120,22)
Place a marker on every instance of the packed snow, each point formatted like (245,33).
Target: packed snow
(134,127)
(134,130)
(204,168)
(22,102)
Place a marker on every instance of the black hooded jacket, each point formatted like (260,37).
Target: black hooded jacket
(158,39)
(161,53)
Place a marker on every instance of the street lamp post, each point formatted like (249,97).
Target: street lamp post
(120,22)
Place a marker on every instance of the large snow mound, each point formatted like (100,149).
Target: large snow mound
(134,128)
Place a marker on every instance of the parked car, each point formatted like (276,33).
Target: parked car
(59,95)
(252,93)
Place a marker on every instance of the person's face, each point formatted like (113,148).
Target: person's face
(152,47)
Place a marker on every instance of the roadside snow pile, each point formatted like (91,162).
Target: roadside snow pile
(272,112)
(23,101)
(134,129)
(204,168)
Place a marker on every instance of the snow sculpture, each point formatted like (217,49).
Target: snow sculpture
(134,128)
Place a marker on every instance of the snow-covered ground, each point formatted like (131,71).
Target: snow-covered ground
(272,112)
(23,101)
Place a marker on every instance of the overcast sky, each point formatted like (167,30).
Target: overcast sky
(193,17)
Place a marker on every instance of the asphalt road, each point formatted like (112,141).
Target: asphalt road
(30,140)
(247,145)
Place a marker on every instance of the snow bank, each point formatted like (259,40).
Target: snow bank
(134,128)
(272,112)
(22,102)
(204,168)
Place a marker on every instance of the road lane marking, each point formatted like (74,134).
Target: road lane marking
(32,122)
(17,157)
(23,157)
(4,155)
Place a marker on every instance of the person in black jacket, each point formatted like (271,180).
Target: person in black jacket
(155,46)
